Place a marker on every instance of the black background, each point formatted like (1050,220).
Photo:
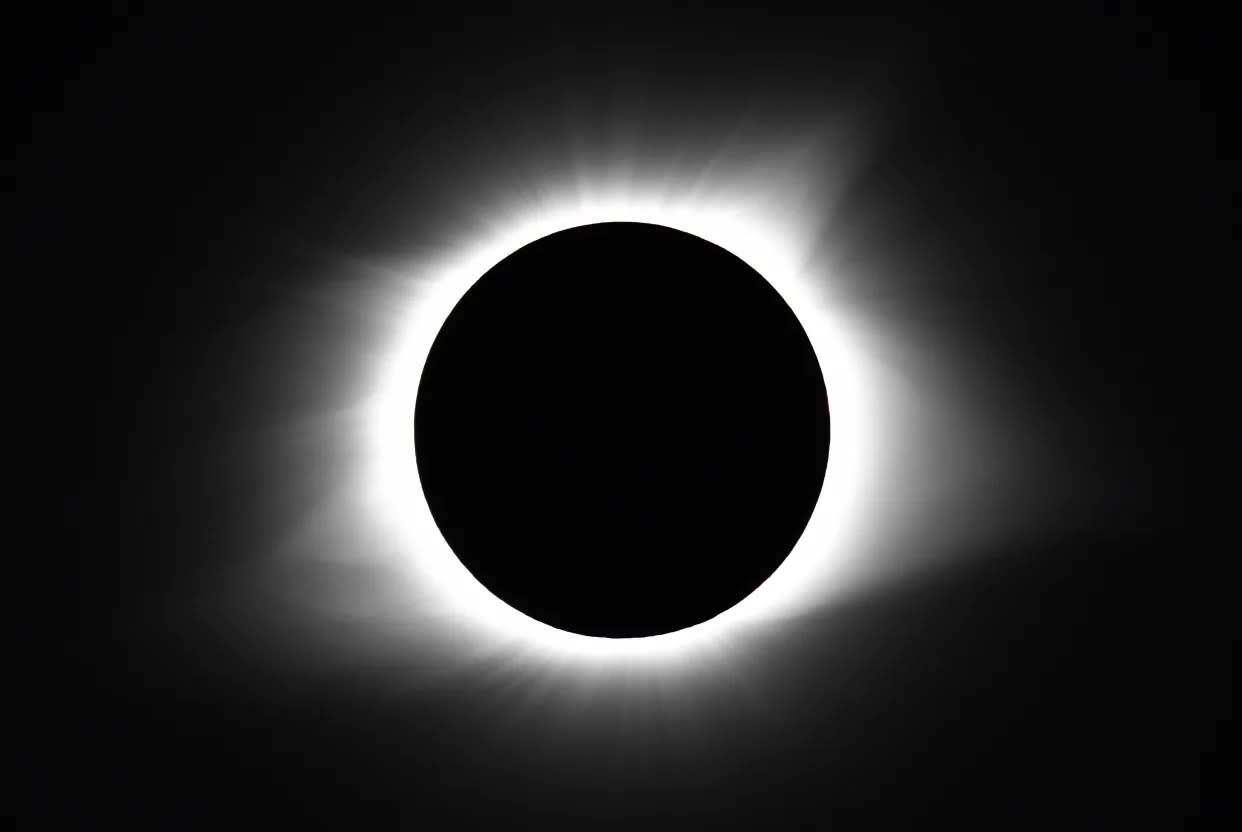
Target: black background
(176,175)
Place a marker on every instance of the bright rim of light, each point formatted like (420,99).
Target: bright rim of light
(778,244)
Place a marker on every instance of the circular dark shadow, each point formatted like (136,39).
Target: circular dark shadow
(621,430)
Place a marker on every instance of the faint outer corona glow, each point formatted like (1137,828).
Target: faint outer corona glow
(766,225)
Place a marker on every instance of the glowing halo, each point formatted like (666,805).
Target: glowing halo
(749,228)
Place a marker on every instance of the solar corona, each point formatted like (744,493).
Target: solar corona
(579,393)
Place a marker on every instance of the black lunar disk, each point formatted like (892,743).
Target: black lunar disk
(621,430)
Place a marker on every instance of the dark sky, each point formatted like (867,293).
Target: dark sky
(1059,192)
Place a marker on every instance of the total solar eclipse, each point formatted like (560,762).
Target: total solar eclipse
(621,430)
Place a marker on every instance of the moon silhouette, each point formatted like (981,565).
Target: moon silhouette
(621,430)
